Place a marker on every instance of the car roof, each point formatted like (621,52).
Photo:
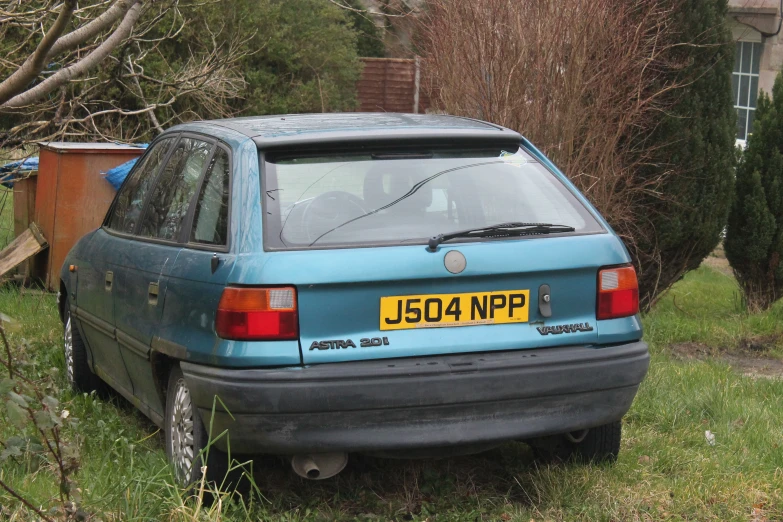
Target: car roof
(298,129)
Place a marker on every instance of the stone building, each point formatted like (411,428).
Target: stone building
(756,25)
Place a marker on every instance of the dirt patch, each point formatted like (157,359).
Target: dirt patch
(748,362)
(719,264)
(685,351)
(755,366)
(759,344)
(717,261)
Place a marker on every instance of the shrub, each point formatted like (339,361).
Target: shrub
(614,92)
(692,141)
(754,239)
(301,54)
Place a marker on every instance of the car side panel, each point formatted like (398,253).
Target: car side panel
(139,266)
(95,308)
(188,327)
(192,297)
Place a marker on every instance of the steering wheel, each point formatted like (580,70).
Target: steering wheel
(329,210)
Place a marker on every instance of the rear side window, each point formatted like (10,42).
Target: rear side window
(170,200)
(407,197)
(210,222)
(128,206)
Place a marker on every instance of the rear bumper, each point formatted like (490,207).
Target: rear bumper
(398,404)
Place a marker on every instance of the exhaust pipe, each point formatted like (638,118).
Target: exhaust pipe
(319,466)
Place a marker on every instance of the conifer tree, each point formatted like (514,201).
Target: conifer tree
(693,148)
(754,239)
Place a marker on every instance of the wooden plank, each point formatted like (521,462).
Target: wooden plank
(24,202)
(386,60)
(372,87)
(26,245)
(24,211)
(400,71)
(388,84)
(373,78)
(397,84)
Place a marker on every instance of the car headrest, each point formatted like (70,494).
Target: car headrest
(399,182)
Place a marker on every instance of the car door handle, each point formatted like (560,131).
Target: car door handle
(152,294)
(109,280)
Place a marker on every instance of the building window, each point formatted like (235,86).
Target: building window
(745,81)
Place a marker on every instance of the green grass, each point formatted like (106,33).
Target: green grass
(706,308)
(666,470)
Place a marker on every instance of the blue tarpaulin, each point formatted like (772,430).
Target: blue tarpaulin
(118,174)
(17,170)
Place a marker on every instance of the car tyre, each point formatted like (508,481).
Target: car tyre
(77,369)
(598,445)
(187,438)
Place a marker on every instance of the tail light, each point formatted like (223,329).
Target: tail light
(618,293)
(257,314)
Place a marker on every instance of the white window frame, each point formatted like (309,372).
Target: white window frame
(749,75)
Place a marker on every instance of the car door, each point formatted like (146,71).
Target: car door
(147,263)
(96,282)
(199,274)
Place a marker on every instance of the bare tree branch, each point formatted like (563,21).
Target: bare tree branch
(81,67)
(24,501)
(367,11)
(117,80)
(151,113)
(91,29)
(16,83)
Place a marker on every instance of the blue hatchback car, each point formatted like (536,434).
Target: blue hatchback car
(390,284)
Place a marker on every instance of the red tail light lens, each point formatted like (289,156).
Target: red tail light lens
(618,293)
(258,314)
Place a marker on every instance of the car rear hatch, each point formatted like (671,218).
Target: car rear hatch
(350,233)
(339,295)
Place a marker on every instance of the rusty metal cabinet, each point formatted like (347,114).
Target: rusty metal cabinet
(72,197)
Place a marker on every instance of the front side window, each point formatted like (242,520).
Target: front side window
(405,198)
(127,209)
(745,81)
(210,222)
(170,200)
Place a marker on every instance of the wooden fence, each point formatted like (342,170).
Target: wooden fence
(391,85)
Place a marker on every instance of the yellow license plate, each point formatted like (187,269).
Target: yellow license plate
(439,310)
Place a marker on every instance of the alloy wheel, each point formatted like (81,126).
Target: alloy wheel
(182,432)
(68,348)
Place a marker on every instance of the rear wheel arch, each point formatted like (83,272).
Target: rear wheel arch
(61,302)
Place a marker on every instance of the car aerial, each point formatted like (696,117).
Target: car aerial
(389,284)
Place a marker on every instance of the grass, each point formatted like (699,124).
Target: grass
(706,308)
(666,469)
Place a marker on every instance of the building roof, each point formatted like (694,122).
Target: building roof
(297,129)
(771,7)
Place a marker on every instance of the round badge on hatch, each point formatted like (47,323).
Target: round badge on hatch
(455,262)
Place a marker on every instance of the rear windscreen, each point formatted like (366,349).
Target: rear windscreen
(387,197)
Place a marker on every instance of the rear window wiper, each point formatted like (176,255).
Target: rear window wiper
(502,229)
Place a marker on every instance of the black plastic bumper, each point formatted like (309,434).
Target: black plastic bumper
(396,404)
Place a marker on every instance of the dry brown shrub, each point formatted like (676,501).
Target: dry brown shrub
(583,80)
